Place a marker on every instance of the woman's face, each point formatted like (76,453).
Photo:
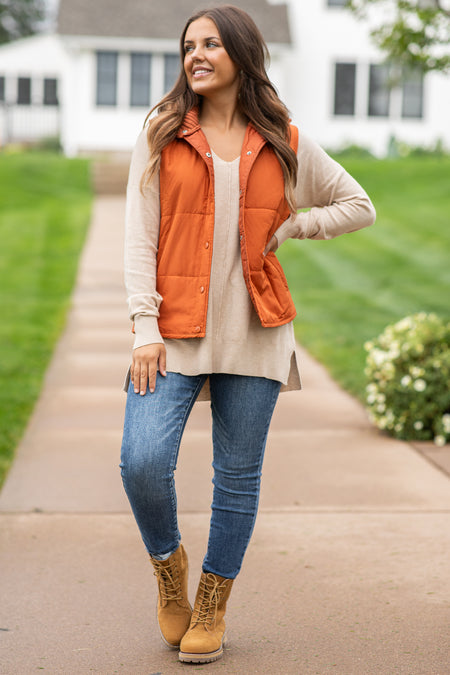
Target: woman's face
(209,69)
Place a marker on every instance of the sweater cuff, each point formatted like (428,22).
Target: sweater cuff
(303,225)
(291,229)
(146,330)
(283,232)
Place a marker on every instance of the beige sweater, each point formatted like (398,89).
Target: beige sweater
(235,342)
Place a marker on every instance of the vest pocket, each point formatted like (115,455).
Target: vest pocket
(274,271)
(273,300)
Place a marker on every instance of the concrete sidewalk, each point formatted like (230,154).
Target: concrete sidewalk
(348,569)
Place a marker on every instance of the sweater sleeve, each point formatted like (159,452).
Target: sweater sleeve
(141,247)
(337,203)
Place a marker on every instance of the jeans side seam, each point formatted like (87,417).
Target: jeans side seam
(180,431)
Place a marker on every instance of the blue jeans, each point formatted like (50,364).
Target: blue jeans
(241,408)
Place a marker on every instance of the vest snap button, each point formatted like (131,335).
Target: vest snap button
(249,152)
(184,131)
(208,154)
(202,289)
(206,244)
(197,329)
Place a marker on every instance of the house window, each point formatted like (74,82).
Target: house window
(2,88)
(379,91)
(344,89)
(140,79)
(412,90)
(107,78)
(24,90)
(50,91)
(171,70)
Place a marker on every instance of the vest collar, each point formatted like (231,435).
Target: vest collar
(191,125)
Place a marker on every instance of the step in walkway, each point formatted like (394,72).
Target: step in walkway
(347,572)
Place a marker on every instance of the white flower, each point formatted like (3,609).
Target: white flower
(404,324)
(398,427)
(388,370)
(439,440)
(368,346)
(420,385)
(405,380)
(371,399)
(418,425)
(390,417)
(378,356)
(381,408)
(446,423)
(416,372)
(394,350)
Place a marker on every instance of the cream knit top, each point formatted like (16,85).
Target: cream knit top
(235,342)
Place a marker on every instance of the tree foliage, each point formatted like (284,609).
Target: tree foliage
(19,18)
(412,33)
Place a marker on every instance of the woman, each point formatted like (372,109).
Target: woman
(216,180)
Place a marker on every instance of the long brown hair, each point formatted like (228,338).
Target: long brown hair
(258,99)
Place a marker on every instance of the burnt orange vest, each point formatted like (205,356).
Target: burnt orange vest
(187,230)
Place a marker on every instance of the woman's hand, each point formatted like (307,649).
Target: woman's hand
(147,360)
(271,246)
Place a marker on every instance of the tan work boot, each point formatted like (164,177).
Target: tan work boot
(174,610)
(205,638)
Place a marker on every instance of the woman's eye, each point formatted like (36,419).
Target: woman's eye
(191,48)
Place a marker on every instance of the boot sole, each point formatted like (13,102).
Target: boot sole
(169,645)
(209,657)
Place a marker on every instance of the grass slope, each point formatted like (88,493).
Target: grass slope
(348,289)
(45,207)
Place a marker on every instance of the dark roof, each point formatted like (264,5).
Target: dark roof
(159,18)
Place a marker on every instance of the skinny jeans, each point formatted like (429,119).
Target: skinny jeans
(242,409)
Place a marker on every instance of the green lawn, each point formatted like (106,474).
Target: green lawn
(45,203)
(348,289)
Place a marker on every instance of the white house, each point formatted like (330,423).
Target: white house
(339,86)
(31,72)
(93,81)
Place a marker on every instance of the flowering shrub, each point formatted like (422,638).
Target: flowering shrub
(408,368)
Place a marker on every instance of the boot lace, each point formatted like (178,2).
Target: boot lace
(212,591)
(169,582)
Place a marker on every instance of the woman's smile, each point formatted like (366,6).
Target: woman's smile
(200,71)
